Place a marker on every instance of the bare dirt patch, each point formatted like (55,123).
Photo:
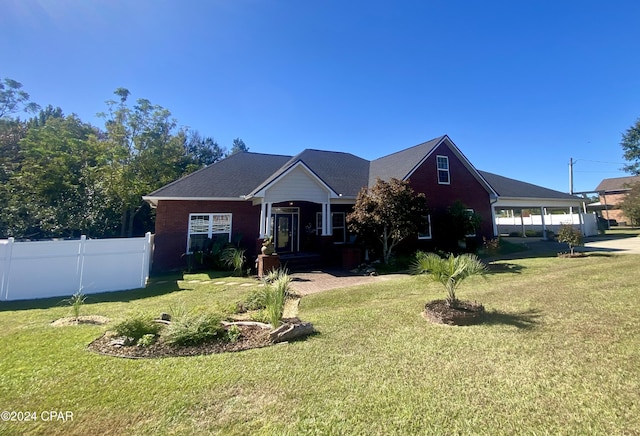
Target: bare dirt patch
(85,319)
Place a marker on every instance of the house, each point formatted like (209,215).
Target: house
(611,192)
(302,201)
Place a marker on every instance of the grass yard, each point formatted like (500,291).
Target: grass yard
(559,354)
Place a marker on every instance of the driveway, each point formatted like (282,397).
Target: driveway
(613,244)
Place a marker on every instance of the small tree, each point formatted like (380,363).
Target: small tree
(570,236)
(388,212)
(450,271)
(631,204)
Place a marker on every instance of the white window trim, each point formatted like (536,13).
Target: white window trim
(424,238)
(210,230)
(344,228)
(438,169)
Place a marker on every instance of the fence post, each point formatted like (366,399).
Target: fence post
(81,248)
(146,259)
(4,284)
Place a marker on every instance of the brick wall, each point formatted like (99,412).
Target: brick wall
(172,222)
(463,187)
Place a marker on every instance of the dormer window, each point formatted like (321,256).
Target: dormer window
(443,170)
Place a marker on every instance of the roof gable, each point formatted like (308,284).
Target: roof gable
(617,183)
(343,173)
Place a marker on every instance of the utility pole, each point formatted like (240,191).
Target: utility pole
(570,176)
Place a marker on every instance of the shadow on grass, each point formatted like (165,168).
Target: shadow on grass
(501,268)
(522,320)
(158,285)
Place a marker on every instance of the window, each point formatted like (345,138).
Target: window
(471,212)
(210,226)
(338,224)
(426,231)
(443,170)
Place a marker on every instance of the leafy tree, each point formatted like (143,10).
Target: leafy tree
(13,99)
(199,151)
(631,147)
(631,204)
(238,146)
(60,188)
(150,153)
(570,236)
(388,212)
(450,271)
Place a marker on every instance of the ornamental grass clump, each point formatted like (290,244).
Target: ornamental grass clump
(76,301)
(276,293)
(450,271)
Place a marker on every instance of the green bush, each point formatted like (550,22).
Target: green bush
(194,329)
(137,326)
(147,340)
(256,299)
(233,333)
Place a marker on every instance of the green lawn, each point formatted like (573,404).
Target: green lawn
(559,354)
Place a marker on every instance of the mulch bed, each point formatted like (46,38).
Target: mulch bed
(251,337)
(464,313)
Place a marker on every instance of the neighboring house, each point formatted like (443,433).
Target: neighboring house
(611,192)
(303,200)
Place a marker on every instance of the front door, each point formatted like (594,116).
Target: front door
(285,230)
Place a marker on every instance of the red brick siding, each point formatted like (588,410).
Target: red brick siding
(463,187)
(172,221)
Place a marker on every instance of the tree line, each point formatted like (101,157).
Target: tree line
(61,177)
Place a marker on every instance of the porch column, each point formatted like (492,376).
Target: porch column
(263,219)
(544,226)
(267,220)
(326,219)
(494,221)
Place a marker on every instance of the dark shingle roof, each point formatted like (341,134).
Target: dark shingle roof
(617,183)
(232,177)
(506,187)
(400,164)
(345,173)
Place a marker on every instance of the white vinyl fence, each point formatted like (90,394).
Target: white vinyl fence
(44,269)
(586,222)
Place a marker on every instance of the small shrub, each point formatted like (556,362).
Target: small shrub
(570,236)
(194,329)
(233,333)
(256,299)
(147,340)
(259,316)
(137,326)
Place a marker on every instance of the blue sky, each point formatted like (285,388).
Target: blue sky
(520,86)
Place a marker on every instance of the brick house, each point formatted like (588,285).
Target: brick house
(302,201)
(611,192)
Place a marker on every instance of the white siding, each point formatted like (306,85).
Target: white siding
(297,185)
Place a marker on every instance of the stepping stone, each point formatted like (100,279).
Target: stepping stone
(193,281)
(246,285)
(232,283)
(219,283)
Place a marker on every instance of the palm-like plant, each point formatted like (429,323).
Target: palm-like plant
(234,258)
(450,271)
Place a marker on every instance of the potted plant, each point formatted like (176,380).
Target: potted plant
(267,246)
